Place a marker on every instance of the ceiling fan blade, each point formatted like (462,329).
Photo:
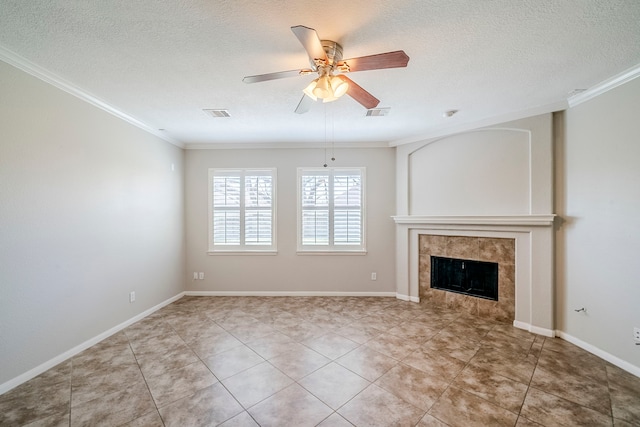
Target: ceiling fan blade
(355,91)
(304,105)
(311,42)
(395,59)
(275,76)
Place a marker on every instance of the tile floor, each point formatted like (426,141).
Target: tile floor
(289,361)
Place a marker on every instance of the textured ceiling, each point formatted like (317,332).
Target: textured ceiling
(163,61)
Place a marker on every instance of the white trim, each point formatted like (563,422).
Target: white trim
(47,76)
(489,121)
(407,298)
(221,252)
(622,364)
(330,252)
(534,329)
(331,248)
(605,86)
(517,220)
(279,145)
(243,248)
(32,373)
(287,294)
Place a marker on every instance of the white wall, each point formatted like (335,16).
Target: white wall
(505,169)
(286,271)
(90,210)
(598,240)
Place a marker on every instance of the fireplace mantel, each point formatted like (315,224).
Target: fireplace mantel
(508,220)
(533,236)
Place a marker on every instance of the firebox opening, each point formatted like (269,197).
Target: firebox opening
(469,277)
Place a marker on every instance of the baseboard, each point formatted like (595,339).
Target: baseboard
(32,373)
(622,364)
(286,294)
(407,298)
(534,329)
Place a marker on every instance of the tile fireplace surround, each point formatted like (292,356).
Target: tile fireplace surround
(499,251)
(532,237)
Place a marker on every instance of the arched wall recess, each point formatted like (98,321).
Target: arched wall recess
(482,172)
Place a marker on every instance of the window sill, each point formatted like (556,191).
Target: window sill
(232,252)
(331,252)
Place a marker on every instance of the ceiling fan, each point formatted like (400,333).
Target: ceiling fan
(325,57)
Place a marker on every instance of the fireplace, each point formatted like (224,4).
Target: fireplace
(475,252)
(525,284)
(465,276)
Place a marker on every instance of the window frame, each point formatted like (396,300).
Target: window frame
(331,248)
(243,248)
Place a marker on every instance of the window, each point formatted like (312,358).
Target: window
(331,210)
(242,210)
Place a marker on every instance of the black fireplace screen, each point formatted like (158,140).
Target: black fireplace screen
(477,278)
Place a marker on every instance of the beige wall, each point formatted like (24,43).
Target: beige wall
(288,272)
(90,210)
(598,237)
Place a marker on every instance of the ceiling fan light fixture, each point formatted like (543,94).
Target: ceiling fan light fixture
(323,88)
(339,86)
(309,90)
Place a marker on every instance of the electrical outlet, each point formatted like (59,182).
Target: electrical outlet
(201,275)
(132,296)
(195,275)
(636,334)
(374,276)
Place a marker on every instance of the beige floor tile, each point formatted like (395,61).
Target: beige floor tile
(331,345)
(334,385)
(230,362)
(495,388)
(424,348)
(335,420)
(367,363)
(452,345)
(213,344)
(104,382)
(575,388)
(255,384)
(299,362)
(243,419)
(114,409)
(436,364)
(412,385)
(158,364)
(550,410)
(459,408)
(272,345)
(359,333)
(208,406)
(57,420)
(152,419)
(625,394)
(393,346)
(376,407)
(294,404)
(178,383)
(516,366)
(430,421)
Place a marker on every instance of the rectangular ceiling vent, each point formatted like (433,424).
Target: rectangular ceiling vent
(217,113)
(378,112)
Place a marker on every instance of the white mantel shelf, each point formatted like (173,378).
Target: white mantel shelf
(513,220)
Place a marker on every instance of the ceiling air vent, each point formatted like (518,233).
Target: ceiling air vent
(377,112)
(217,113)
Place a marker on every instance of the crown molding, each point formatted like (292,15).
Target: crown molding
(47,76)
(605,86)
(276,145)
(489,121)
